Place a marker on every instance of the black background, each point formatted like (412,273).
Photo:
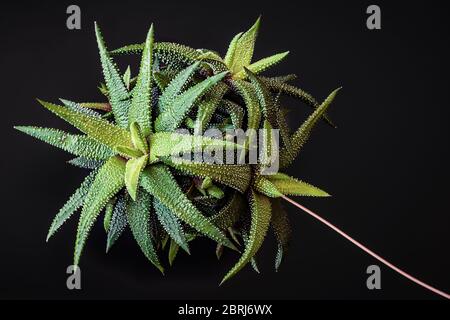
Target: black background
(386,165)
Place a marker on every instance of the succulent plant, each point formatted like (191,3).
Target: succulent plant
(128,140)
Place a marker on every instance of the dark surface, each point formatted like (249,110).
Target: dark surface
(386,165)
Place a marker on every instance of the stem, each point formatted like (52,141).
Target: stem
(367,250)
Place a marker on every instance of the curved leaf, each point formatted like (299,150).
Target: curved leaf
(235,176)
(168,144)
(261,214)
(96,128)
(79,145)
(108,181)
(262,65)
(290,186)
(140,109)
(174,114)
(118,93)
(72,205)
(159,182)
(300,136)
(133,171)
(118,222)
(138,213)
(282,229)
(171,224)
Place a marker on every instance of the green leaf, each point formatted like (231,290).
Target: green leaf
(290,186)
(208,106)
(108,181)
(173,251)
(168,144)
(104,106)
(171,224)
(229,57)
(159,182)
(173,116)
(302,134)
(162,80)
(266,187)
(248,93)
(229,214)
(261,214)
(245,46)
(265,98)
(140,109)
(282,229)
(85,163)
(109,208)
(176,86)
(138,213)
(235,111)
(138,138)
(79,145)
(127,77)
(133,171)
(280,86)
(118,93)
(235,176)
(98,129)
(262,65)
(72,205)
(118,222)
(128,152)
(79,108)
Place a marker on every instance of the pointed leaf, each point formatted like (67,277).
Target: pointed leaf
(279,85)
(266,187)
(80,108)
(138,138)
(138,213)
(127,77)
(282,229)
(235,176)
(229,57)
(229,214)
(118,93)
(133,171)
(173,251)
(168,144)
(261,214)
(85,163)
(118,222)
(108,181)
(171,224)
(290,186)
(173,116)
(245,46)
(300,137)
(76,144)
(140,109)
(176,86)
(72,205)
(262,65)
(128,152)
(109,208)
(98,129)
(248,93)
(158,181)
(208,107)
